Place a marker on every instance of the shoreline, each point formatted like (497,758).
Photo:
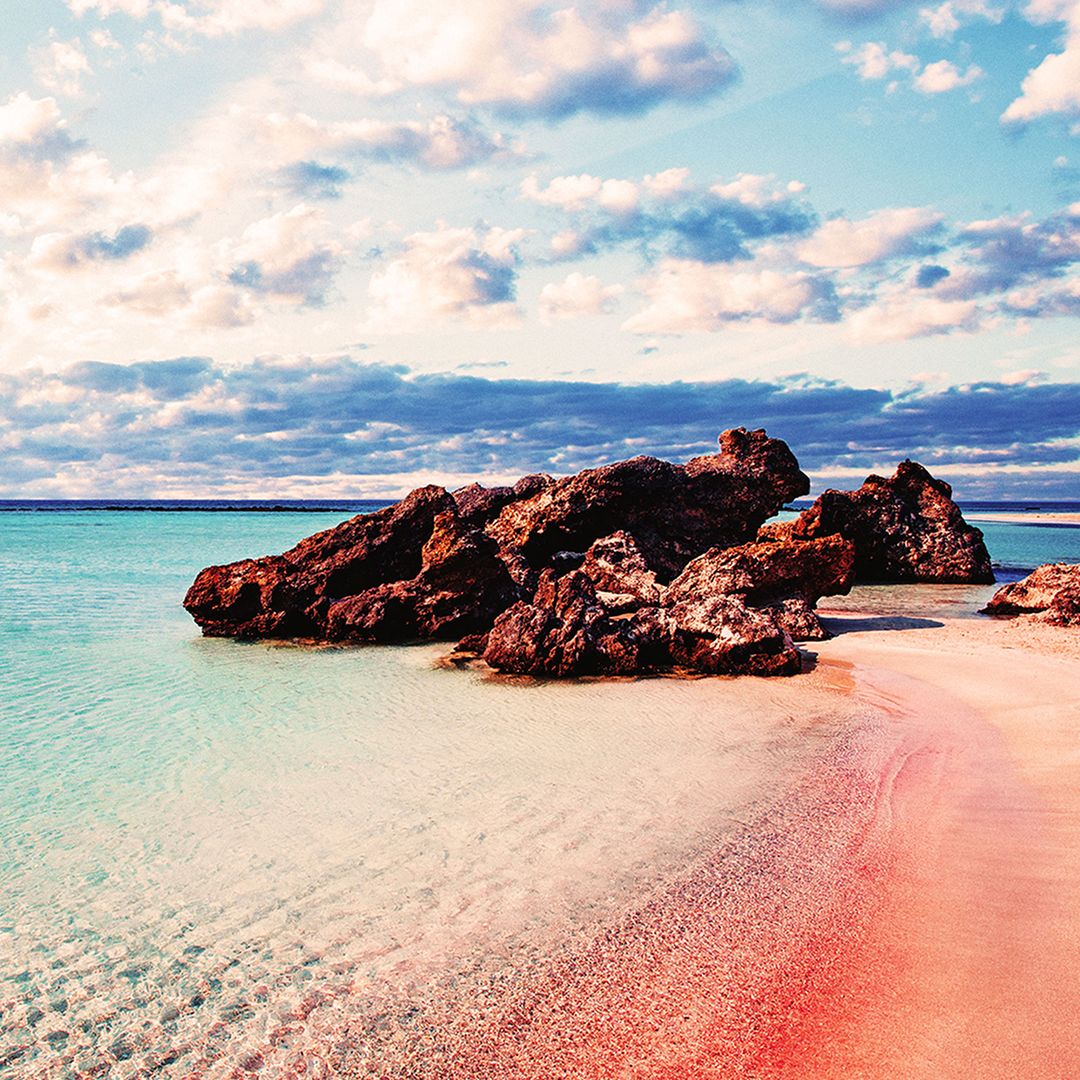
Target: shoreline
(1067,518)
(906,909)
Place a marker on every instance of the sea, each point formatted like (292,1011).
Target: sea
(217,857)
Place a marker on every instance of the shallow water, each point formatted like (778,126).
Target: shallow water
(215,855)
(198,834)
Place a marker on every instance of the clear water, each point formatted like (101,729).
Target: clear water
(204,843)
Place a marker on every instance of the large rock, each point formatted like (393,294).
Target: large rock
(674,512)
(478,504)
(1050,593)
(439,565)
(785,578)
(462,585)
(906,528)
(289,595)
(721,635)
(567,630)
(615,565)
(564,630)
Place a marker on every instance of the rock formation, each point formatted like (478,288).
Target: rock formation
(674,512)
(783,579)
(440,565)
(1050,593)
(731,610)
(637,567)
(906,528)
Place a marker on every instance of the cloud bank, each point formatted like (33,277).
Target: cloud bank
(339,427)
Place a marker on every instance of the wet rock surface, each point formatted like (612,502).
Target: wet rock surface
(639,567)
(1050,594)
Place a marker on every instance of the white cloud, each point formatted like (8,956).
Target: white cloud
(882,235)
(456,274)
(901,315)
(531,56)
(943,75)
(25,121)
(60,67)
(687,296)
(757,191)
(578,295)
(944,20)
(157,293)
(215,18)
(576,192)
(669,184)
(1054,85)
(874,60)
(52,182)
(290,256)
(212,18)
(137,9)
(103,39)
(442,142)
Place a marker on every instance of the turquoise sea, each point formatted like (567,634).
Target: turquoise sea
(204,844)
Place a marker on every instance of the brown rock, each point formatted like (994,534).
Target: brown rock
(288,595)
(478,505)
(720,635)
(786,578)
(564,630)
(567,630)
(906,528)
(590,550)
(461,587)
(619,571)
(1050,593)
(674,512)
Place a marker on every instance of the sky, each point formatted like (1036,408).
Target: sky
(341,248)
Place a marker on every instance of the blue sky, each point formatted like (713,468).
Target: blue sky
(325,247)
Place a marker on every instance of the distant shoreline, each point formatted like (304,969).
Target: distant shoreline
(1068,518)
(1065,514)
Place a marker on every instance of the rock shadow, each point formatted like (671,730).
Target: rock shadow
(861,624)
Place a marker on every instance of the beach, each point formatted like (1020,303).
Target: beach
(1027,517)
(907,908)
(229,859)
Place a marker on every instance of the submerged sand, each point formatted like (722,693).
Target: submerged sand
(909,908)
(906,904)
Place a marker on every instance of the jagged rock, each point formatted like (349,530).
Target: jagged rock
(564,630)
(1050,593)
(674,512)
(720,635)
(567,629)
(437,564)
(619,571)
(906,528)
(786,578)
(798,619)
(461,587)
(590,552)
(478,505)
(289,595)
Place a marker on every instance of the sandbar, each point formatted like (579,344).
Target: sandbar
(1033,517)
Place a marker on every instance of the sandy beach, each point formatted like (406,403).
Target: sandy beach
(1031,517)
(909,908)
